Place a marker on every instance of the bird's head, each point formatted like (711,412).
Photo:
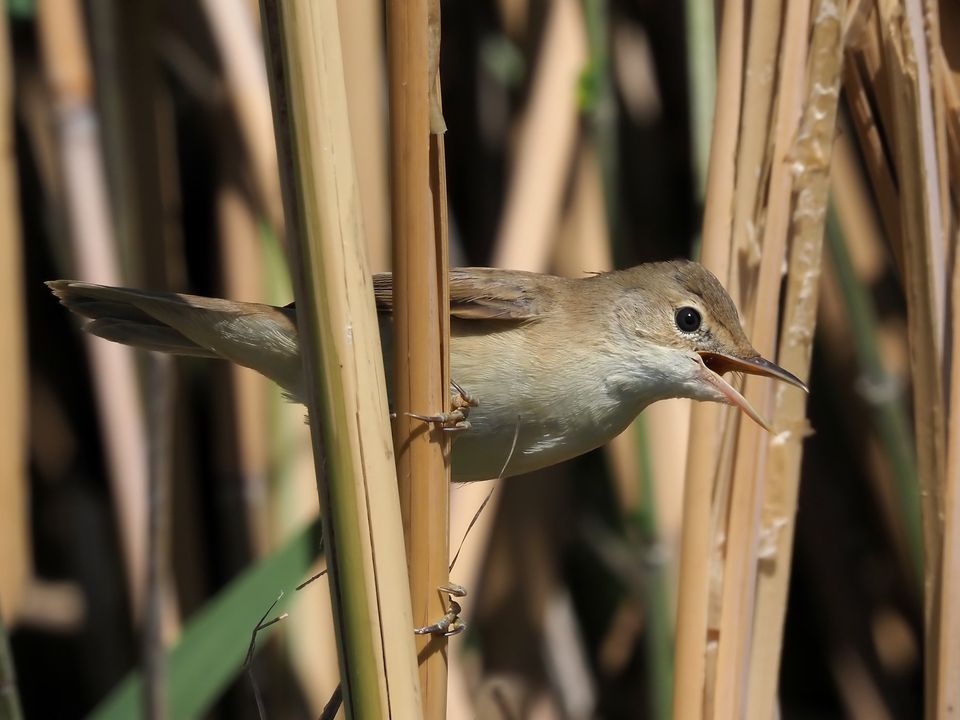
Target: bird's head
(681,332)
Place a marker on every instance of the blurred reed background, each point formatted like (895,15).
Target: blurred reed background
(808,151)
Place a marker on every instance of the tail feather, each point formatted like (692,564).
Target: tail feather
(257,336)
(146,336)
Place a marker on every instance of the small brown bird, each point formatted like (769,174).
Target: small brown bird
(574,360)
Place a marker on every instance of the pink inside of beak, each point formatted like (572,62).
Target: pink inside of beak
(733,396)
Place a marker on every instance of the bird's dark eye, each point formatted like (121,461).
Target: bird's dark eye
(687,319)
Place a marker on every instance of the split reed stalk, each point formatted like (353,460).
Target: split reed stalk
(767,209)
(916,155)
(693,594)
(419,315)
(802,158)
(340,343)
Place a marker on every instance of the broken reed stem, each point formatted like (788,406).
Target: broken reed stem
(693,595)
(423,450)
(340,342)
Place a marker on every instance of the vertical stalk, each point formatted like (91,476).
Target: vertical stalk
(65,56)
(948,641)
(766,205)
(418,315)
(801,167)
(15,543)
(160,423)
(923,236)
(693,595)
(339,339)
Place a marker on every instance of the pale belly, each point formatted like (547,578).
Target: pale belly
(552,420)
(555,404)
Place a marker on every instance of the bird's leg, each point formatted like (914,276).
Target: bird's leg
(450,624)
(456,419)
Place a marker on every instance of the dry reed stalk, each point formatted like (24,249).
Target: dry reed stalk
(159,518)
(916,153)
(948,639)
(865,90)
(693,594)
(752,161)
(441,222)
(343,362)
(232,24)
(419,313)
(65,57)
(361,27)
(243,277)
(804,157)
(545,145)
(769,206)
(735,526)
(273,448)
(15,547)
(951,94)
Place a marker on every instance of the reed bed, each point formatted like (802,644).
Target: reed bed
(807,152)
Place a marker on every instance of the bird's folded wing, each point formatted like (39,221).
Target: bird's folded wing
(484,294)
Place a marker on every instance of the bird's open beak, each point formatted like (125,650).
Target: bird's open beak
(716,364)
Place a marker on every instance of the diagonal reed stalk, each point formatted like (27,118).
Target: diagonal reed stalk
(343,362)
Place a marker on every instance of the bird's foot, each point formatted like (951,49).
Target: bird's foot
(450,624)
(454,421)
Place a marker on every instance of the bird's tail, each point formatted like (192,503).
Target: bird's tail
(257,336)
